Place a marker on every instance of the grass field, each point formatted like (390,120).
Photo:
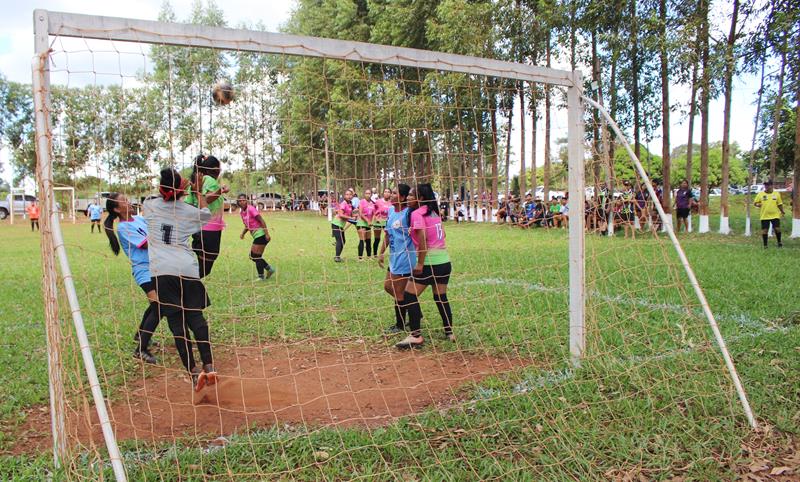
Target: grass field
(651,398)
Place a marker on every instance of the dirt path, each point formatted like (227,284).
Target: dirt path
(310,384)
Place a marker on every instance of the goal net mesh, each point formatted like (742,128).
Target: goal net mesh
(310,386)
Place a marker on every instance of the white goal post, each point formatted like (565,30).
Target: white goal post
(142,31)
(71,191)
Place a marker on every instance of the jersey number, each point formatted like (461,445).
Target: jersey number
(439,231)
(166,233)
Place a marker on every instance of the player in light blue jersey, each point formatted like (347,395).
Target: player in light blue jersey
(402,254)
(132,234)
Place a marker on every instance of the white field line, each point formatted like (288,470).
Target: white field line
(552,378)
(742,320)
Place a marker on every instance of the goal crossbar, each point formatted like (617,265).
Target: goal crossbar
(190,35)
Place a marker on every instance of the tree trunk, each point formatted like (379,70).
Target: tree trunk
(596,133)
(522,183)
(637,143)
(494,153)
(705,97)
(665,149)
(534,122)
(796,183)
(612,92)
(508,150)
(546,174)
(692,115)
(776,120)
(730,65)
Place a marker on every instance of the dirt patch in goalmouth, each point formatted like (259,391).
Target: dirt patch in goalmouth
(313,384)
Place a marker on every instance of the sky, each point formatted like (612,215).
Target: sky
(16,50)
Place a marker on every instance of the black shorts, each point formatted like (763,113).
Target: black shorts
(261,240)
(95,221)
(147,286)
(626,217)
(207,243)
(683,213)
(177,294)
(776,223)
(437,274)
(396,276)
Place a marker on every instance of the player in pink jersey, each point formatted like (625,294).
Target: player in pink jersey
(366,211)
(340,219)
(255,225)
(382,206)
(433,266)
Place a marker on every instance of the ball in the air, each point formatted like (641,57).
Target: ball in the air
(222,93)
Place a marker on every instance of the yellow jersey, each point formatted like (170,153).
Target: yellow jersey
(769,204)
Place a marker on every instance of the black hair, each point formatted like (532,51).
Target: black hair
(210,166)
(111,205)
(403,190)
(170,184)
(426,197)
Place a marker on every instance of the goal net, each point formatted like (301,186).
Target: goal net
(577,354)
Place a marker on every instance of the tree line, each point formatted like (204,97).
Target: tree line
(366,121)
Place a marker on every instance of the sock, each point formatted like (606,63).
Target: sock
(778,236)
(399,315)
(375,244)
(443,305)
(764,238)
(256,258)
(360,248)
(411,304)
(369,247)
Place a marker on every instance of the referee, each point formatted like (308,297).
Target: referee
(771,207)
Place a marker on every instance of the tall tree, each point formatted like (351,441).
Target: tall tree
(729,70)
(665,108)
(705,99)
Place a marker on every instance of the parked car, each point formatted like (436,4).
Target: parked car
(20,203)
(756,188)
(715,192)
(267,200)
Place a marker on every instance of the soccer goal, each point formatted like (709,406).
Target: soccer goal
(576,355)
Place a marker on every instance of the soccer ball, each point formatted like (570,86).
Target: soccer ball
(222,93)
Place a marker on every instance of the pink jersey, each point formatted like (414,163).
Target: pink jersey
(382,209)
(367,209)
(249,218)
(434,235)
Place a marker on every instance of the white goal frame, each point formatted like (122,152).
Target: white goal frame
(72,200)
(153,32)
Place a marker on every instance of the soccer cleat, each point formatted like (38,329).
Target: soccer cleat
(410,341)
(337,259)
(450,336)
(145,356)
(393,330)
(270,272)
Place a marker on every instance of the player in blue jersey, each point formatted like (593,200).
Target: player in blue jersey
(95,212)
(402,254)
(132,234)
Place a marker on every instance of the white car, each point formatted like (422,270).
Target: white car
(715,192)
(756,188)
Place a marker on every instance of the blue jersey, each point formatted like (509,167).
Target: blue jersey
(402,254)
(95,211)
(133,238)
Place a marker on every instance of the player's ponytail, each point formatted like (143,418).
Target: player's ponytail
(111,208)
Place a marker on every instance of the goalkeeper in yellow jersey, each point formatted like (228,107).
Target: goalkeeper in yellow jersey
(771,207)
